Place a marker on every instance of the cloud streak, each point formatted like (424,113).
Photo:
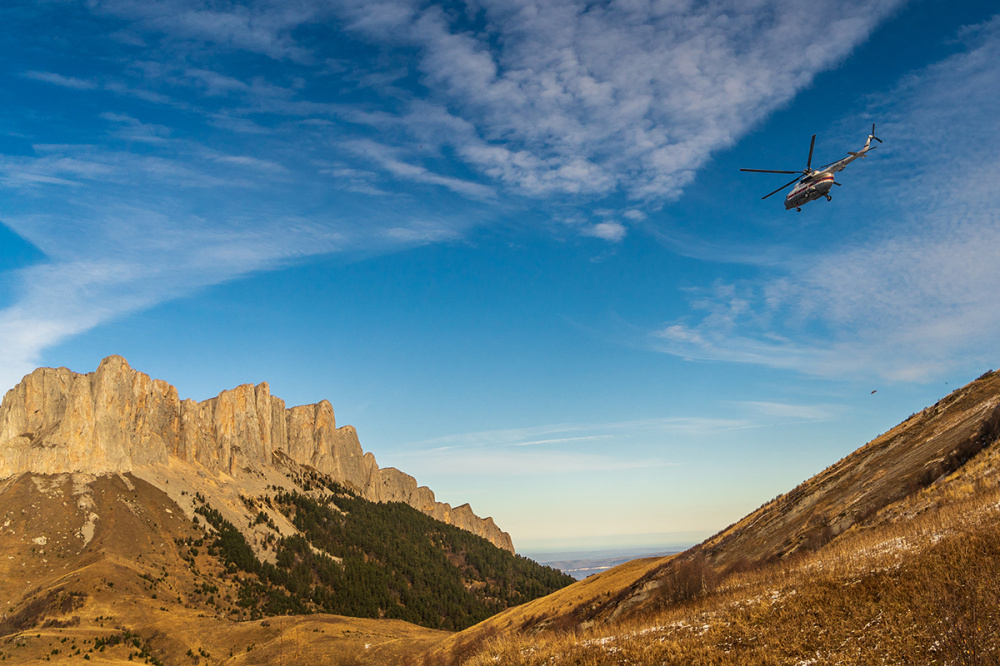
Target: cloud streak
(581,448)
(580,98)
(144,258)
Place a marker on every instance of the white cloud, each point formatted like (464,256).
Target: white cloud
(135,259)
(577,448)
(557,98)
(572,97)
(131,129)
(248,161)
(490,462)
(797,412)
(389,159)
(60,80)
(216,83)
(259,27)
(554,97)
(612,232)
(575,434)
(422,233)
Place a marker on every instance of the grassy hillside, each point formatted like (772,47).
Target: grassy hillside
(108,570)
(922,592)
(889,556)
(114,571)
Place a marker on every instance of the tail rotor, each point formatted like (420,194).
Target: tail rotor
(872,135)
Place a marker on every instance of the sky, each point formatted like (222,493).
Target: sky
(510,241)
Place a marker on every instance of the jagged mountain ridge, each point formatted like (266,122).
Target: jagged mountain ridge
(117,420)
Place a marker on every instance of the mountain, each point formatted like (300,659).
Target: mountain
(118,420)
(134,525)
(889,555)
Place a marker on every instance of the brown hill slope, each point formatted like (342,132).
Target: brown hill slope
(924,448)
(945,455)
(109,568)
(921,591)
(100,567)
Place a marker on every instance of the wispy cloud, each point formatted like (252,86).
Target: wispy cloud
(576,448)
(563,440)
(796,412)
(136,259)
(572,97)
(260,27)
(60,80)
(549,98)
(527,462)
(390,159)
(916,297)
(577,436)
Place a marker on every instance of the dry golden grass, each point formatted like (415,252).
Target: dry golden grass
(135,591)
(190,637)
(555,611)
(888,556)
(918,591)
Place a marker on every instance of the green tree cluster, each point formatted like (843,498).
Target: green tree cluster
(364,559)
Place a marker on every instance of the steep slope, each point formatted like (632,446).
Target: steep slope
(924,591)
(119,420)
(941,458)
(106,566)
(926,447)
(112,561)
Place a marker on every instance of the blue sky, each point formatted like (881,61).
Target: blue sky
(509,241)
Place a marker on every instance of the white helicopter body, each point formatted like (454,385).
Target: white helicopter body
(816,183)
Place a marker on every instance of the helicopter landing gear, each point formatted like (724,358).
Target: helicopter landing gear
(798,209)
(829,198)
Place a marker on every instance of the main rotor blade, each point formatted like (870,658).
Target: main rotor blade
(812,144)
(769,171)
(780,188)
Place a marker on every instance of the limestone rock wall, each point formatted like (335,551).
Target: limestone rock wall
(114,419)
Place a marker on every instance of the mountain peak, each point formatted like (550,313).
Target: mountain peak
(117,419)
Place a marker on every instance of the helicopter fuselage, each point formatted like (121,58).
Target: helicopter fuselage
(810,188)
(816,183)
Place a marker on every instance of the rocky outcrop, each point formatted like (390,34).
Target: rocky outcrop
(116,419)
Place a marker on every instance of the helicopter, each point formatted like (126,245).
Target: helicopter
(816,183)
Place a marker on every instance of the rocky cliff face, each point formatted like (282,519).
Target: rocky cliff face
(117,420)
